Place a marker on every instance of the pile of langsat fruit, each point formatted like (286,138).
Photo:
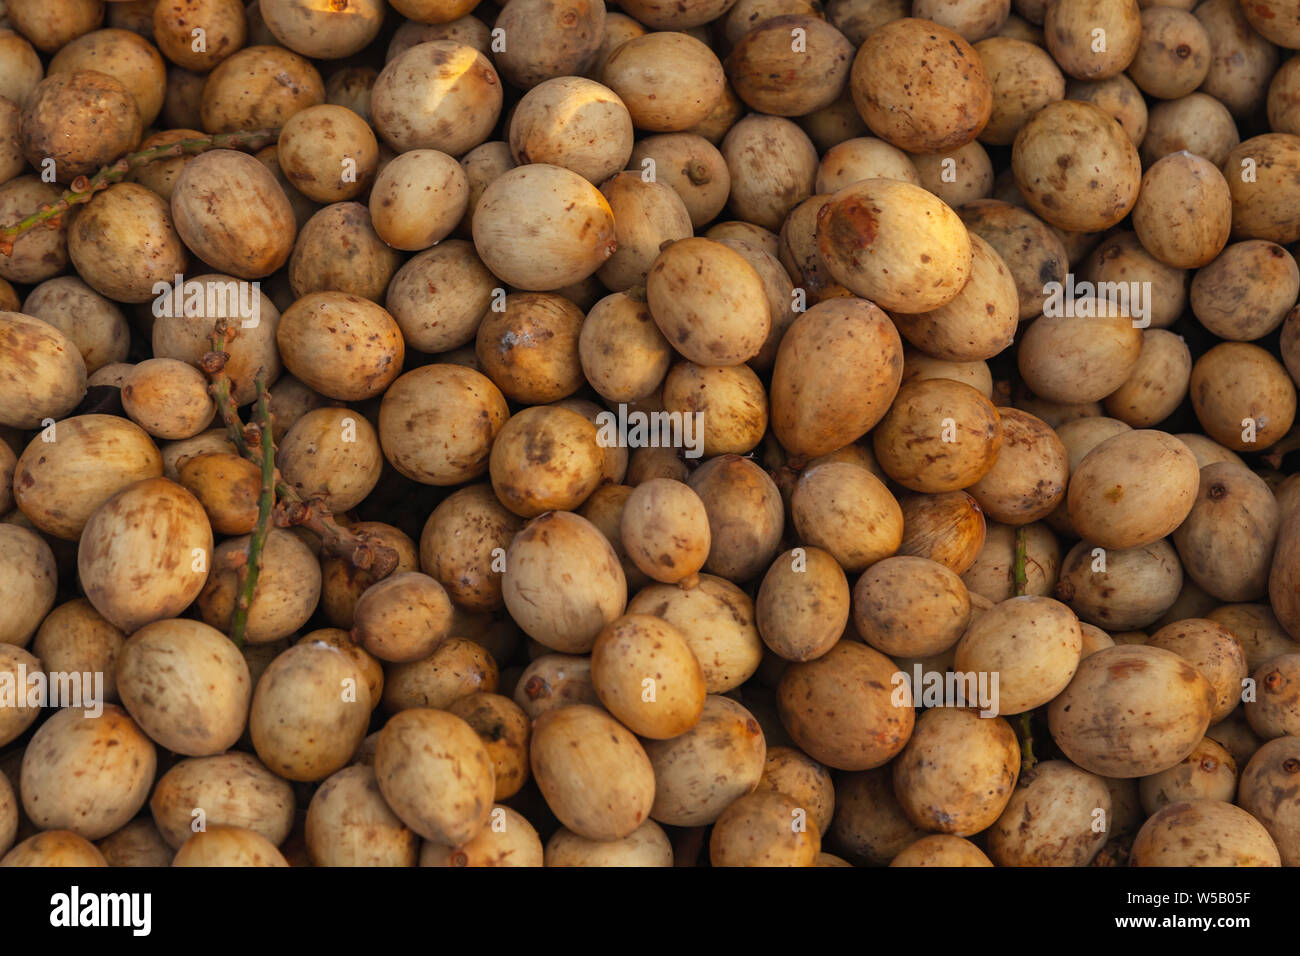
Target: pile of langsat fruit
(685,432)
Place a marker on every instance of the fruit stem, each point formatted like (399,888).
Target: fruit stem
(214,366)
(697,172)
(1283,447)
(252,567)
(1025,731)
(358,548)
(83,190)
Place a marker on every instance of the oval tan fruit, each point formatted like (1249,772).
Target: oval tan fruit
(1270,773)
(1049,820)
(1204,833)
(1207,773)
(941,849)
(1068,32)
(849,709)
(75,638)
(593,773)
(437,423)
(1076,167)
(310,712)
(709,302)
(16,667)
(1226,541)
(698,774)
(773,75)
(510,841)
(144,554)
(958,771)
(555,680)
(403,618)
(944,106)
(289,586)
(1264,204)
(939,435)
(87,773)
(908,606)
(442,95)
(435,773)
(1120,589)
(1032,644)
(894,243)
(665,531)
(1080,357)
(231,213)
(186,685)
(669,81)
(58,485)
(505,731)
(228,846)
(228,486)
(647,845)
(332,454)
(1029,477)
(624,355)
(458,546)
(341,345)
(717,619)
(647,676)
(563,582)
(1183,213)
(838,368)
(847,511)
(803,604)
(981,319)
(567,224)
(745,515)
(869,826)
(349,824)
(1275,712)
(167,398)
(546,458)
(948,527)
(1242,396)
(54,848)
(1133,489)
(235,789)
(42,375)
(788,770)
(530,347)
(1094,722)
(756,830)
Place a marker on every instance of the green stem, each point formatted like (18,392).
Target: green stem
(265,505)
(1026,734)
(223,391)
(83,189)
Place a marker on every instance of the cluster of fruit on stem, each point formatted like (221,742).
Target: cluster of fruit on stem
(83,188)
(278,502)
